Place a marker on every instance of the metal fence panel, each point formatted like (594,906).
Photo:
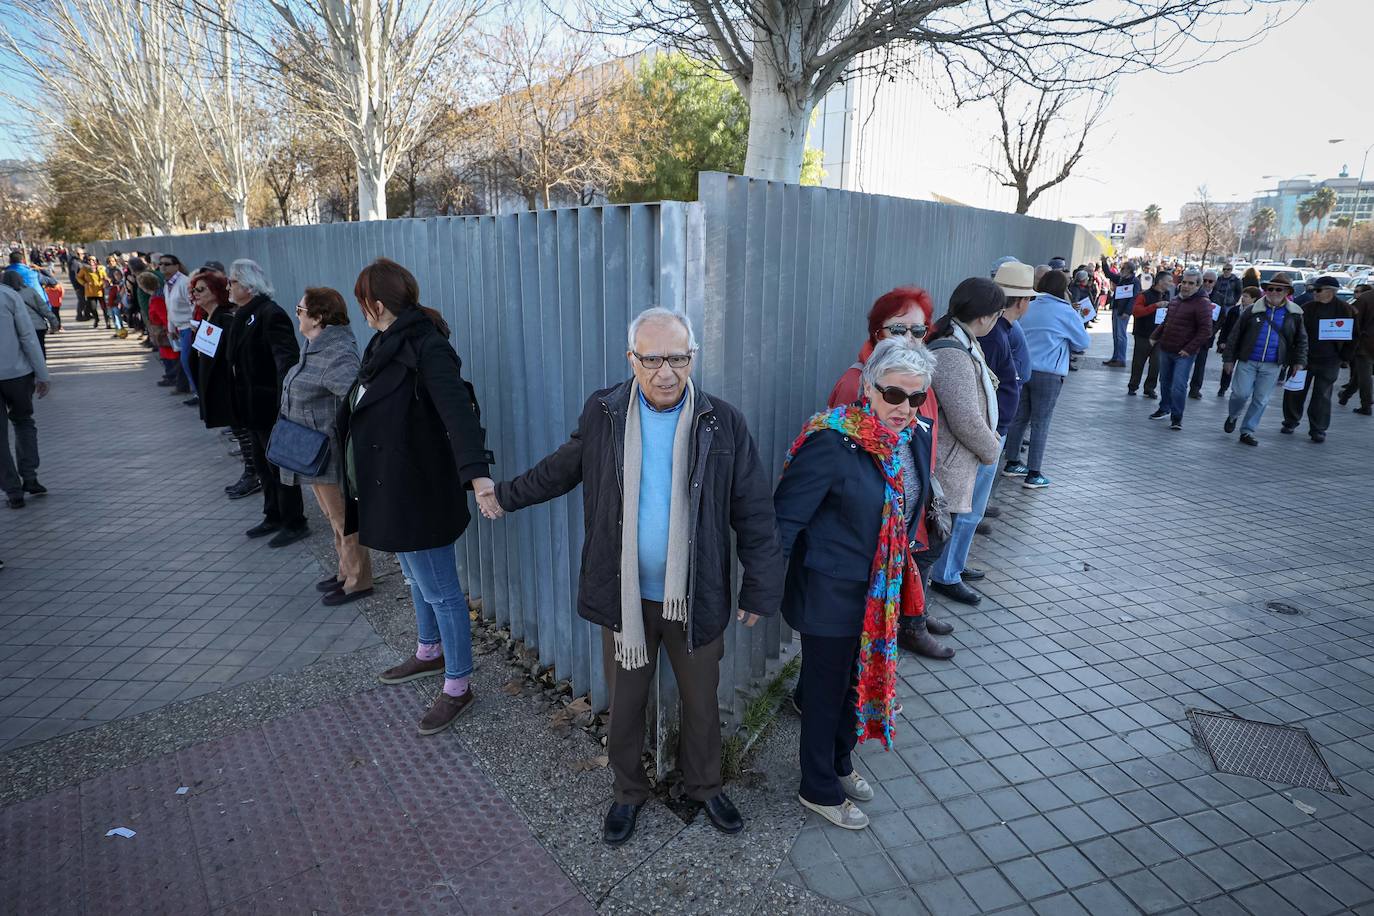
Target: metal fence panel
(776,278)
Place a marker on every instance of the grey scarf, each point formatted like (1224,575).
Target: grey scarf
(631,651)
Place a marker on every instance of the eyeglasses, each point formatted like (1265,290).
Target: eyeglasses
(300,310)
(901,330)
(894,395)
(1276,289)
(676,360)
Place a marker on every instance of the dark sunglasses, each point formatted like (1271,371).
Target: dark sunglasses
(676,360)
(1276,289)
(894,396)
(901,330)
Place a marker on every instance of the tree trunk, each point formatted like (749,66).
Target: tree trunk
(371,193)
(241,213)
(779,110)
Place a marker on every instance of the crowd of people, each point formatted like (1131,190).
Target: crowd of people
(879,498)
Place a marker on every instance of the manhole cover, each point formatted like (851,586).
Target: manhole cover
(1281,607)
(1275,753)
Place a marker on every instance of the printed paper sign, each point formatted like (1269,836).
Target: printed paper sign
(1297,382)
(1216,312)
(207,338)
(1086,309)
(1160,313)
(1335,329)
(1125,292)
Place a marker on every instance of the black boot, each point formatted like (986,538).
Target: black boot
(938,627)
(913,636)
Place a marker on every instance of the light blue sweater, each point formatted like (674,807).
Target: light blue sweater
(656,431)
(1052,328)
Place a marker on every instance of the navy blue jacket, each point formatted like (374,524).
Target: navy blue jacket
(829,506)
(996,346)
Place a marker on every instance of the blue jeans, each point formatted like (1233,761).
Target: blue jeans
(950,566)
(1253,382)
(186,336)
(116,317)
(1119,321)
(441,608)
(1038,397)
(1174,373)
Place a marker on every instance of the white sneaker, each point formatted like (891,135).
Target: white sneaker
(856,787)
(846,815)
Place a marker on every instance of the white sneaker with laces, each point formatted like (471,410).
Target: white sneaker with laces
(846,815)
(856,787)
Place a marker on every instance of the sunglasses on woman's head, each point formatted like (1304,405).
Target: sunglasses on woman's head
(901,330)
(894,395)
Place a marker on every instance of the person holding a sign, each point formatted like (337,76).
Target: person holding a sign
(1123,300)
(1266,343)
(1147,310)
(1330,326)
(1209,289)
(1185,331)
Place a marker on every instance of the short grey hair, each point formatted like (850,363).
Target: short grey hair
(897,354)
(1194,273)
(249,275)
(1209,275)
(1080,276)
(659,313)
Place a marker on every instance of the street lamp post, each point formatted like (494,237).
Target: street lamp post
(1355,208)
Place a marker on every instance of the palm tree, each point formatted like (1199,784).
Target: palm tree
(1153,215)
(1260,225)
(1344,221)
(1323,202)
(1307,211)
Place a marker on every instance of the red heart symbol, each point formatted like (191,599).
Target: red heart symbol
(1340,324)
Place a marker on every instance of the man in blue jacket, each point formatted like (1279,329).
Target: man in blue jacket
(26,273)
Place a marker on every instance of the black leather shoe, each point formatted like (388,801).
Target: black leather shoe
(34,488)
(992,512)
(723,814)
(332,584)
(938,627)
(983,528)
(1229,426)
(958,591)
(289,536)
(1287,430)
(619,825)
(972,575)
(263,529)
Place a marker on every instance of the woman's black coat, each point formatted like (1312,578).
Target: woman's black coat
(262,348)
(213,384)
(417,442)
(829,506)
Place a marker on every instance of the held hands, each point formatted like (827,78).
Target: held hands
(748,619)
(485,488)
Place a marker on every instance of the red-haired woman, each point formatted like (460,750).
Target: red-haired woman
(413,443)
(905,313)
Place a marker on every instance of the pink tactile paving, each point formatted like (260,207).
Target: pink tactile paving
(305,893)
(522,879)
(40,848)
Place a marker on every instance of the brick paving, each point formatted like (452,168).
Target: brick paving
(1050,768)
(338,809)
(131,585)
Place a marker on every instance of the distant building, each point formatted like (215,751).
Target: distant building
(1285,197)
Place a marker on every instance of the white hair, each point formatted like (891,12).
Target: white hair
(1194,273)
(249,275)
(1209,273)
(659,313)
(897,354)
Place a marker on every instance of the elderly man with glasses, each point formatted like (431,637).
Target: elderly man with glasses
(1267,343)
(667,471)
(1330,326)
(1210,286)
(176,291)
(1186,330)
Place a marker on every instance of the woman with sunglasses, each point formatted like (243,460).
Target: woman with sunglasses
(855,483)
(967,389)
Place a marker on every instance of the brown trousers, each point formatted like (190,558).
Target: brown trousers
(698,675)
(355,563)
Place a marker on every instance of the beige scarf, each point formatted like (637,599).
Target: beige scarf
(630,648)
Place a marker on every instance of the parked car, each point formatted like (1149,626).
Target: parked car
(1333,268)
(1300,262)
(1345,295)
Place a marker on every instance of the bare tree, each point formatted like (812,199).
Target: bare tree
(113,60)
(786,54)
(367,71)
(225,118)
(1207,225)
(1037,125)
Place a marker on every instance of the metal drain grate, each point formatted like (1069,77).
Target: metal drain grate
(1275,753)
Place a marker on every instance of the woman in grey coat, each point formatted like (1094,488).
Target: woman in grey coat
(310,396)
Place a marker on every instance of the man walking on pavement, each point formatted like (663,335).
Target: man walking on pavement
(1209,289)
(1362,359)
(1123,297)
(1330,326)
(667,471)
(1267,343)
(1186,329)
(23,373)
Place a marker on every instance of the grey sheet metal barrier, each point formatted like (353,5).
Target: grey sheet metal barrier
(776,278)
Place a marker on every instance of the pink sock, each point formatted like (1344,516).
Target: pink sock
(455,686)
(428,653)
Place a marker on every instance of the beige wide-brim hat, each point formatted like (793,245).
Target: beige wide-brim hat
(1017,280)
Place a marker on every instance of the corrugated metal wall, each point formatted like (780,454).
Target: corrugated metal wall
(776,278)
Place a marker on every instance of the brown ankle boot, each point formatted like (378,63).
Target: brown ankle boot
(913,635)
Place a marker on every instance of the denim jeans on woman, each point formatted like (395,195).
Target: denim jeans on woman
(950,567)
(1252,382)
(1038,397)
(441,607)
(185,337)
(1174,372)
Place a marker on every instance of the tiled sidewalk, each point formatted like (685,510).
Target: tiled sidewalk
(131,585)
(1049,767)
(338,809)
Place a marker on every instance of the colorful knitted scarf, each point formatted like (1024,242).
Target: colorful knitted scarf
(894,581)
